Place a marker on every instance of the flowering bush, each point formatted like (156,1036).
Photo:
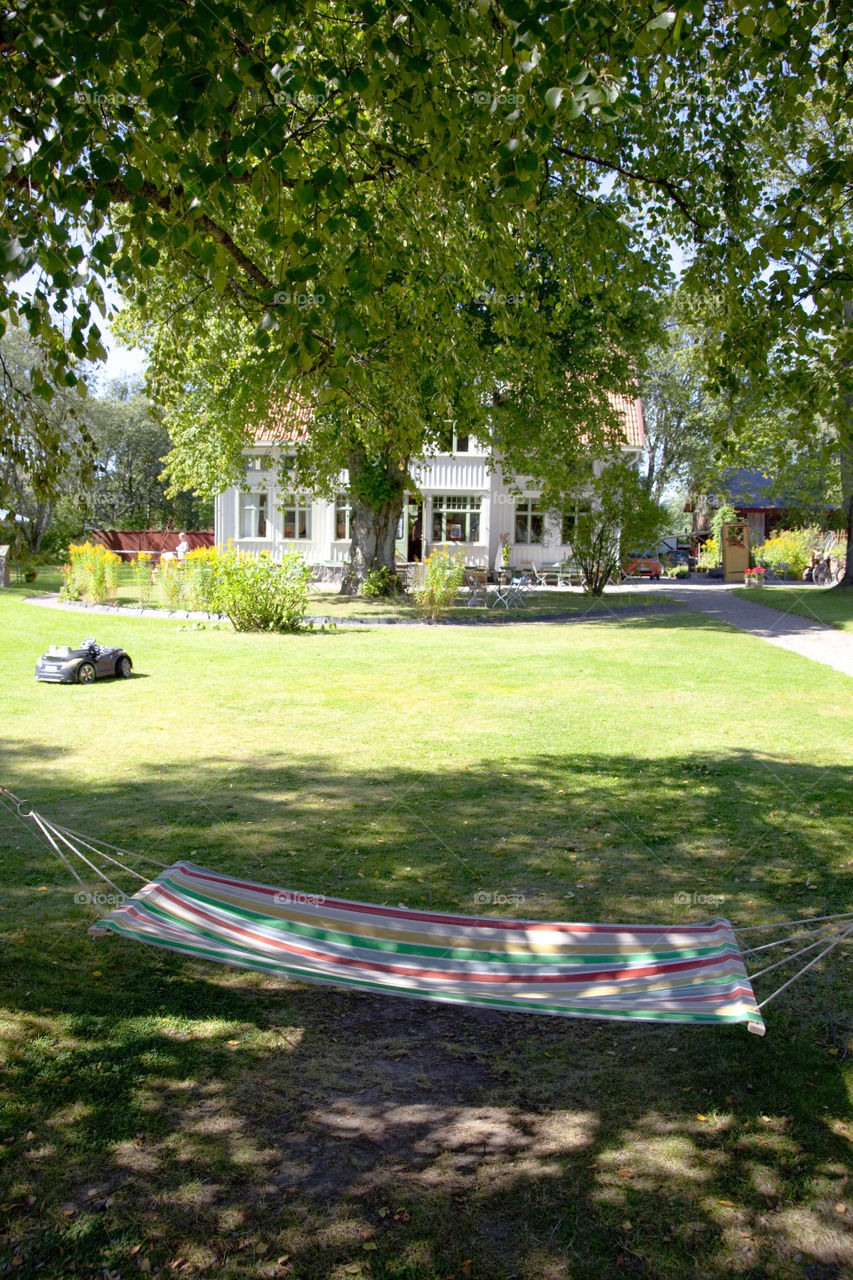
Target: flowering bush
(91,574)
(710,555)
(791,548)
(143,571)
(200,573)
(442,580)
(170,584)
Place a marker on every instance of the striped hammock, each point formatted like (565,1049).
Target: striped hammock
(657,973)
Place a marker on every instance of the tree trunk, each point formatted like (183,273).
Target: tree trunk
(377,487)
(845,446)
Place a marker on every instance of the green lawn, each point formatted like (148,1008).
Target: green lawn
(832,605)
(159,1113)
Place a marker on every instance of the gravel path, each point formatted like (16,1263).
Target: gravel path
(806,636)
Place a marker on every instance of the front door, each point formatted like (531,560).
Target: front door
(410,527)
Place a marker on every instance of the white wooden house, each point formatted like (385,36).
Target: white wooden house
(464,503)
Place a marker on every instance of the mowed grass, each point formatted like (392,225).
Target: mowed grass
(170,1117)
(832,605)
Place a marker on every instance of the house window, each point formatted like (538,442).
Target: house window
(456,517)
(296,514)
(529,522)
(254,515)
(570,519)
(343,517)
(453,441)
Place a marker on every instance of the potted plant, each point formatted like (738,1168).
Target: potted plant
(754,577)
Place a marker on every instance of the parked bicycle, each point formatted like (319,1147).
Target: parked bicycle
(823,572)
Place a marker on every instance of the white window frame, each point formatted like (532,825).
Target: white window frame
(454,449)
(526,511)
(569,519)
(254,509)
(457,509)
(300,505)
(257,464)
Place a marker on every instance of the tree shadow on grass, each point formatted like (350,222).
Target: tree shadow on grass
(169,1114)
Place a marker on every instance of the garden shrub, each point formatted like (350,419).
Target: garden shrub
(711,552)
(442,580)
(791,547)
(258,594)
(725,514)
(91,574)
(380,581)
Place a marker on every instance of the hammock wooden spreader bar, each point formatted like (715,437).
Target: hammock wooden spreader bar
(659,973)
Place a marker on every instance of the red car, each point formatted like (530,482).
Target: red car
(642,567)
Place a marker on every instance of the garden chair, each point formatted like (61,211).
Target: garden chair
(534,576)
(475,580)
(512,594)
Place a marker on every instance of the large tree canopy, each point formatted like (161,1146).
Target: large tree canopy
(301,174)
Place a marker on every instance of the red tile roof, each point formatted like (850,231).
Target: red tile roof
(631,409)
(287,423)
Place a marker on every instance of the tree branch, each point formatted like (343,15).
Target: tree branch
(647,179)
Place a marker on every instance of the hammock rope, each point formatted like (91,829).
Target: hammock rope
(806,968)
(785,942)
(692,973)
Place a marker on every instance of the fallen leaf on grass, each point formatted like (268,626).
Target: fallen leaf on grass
(841,1208)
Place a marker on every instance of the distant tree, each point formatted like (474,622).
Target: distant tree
(131,441)
(73,460)
(681,419)
(47,449)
